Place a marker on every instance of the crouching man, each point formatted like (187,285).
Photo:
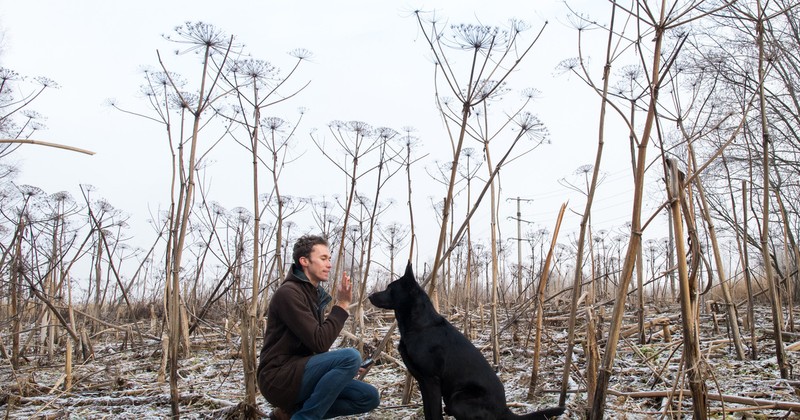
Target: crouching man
(297,372)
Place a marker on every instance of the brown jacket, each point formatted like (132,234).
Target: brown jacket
(296,330)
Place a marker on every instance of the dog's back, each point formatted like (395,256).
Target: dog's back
(446,364)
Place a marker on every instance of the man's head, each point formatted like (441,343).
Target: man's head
(312,255)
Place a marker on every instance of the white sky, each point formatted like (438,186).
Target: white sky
(370,64)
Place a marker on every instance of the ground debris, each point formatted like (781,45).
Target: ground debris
(647,383)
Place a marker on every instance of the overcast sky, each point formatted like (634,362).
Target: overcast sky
(370,63)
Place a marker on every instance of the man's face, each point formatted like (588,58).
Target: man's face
(317,265)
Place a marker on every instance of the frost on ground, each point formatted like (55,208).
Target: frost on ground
(121,380)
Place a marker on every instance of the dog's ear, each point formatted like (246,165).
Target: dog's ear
(409,274)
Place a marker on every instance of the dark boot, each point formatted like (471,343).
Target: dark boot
(279,414)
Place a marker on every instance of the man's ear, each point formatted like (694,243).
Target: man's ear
(304,262)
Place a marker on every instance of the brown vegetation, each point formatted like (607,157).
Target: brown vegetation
(90,327)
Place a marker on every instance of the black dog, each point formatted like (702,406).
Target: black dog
(445,364)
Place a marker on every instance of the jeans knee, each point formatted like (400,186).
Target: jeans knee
(350,358)
(373,399)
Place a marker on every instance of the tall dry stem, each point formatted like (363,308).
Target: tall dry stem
(730,305)
(254,83)
(777,313)
(386,155)
(494,55)
(688,292)
(585,219)
(544,277)
(355,140)
(212,44)
(597,409)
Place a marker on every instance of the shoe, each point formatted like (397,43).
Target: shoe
(279,414)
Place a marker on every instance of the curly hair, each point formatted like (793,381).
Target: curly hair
(304,245)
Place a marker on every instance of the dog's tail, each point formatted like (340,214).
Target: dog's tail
(547,413)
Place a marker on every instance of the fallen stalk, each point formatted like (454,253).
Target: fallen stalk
(728,399)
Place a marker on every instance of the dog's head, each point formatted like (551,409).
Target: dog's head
(399,293)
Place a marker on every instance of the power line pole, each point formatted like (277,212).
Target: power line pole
(519,242)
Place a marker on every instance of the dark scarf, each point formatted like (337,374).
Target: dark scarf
(324,297)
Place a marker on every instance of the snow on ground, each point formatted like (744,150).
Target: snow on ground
(121,383)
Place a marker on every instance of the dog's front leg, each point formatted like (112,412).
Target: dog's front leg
(431,392)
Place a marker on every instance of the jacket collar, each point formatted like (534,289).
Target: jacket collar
(324,297)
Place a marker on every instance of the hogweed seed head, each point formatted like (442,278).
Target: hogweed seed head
(273,123)
(197,36)
(477,37)
(256,70)
(301,53)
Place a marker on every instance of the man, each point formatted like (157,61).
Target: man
(297,373)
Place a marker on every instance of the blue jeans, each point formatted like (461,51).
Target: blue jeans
(330,390)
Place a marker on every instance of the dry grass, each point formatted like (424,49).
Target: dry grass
(120,381)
